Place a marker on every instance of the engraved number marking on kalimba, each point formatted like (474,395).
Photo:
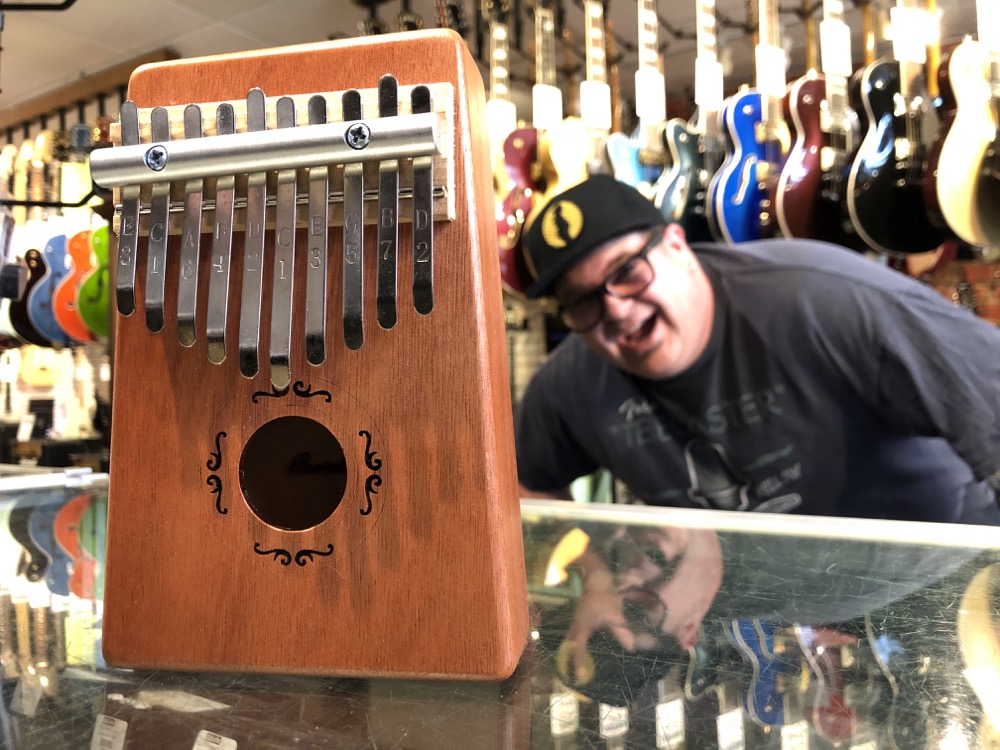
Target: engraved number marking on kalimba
(354,195)
(319,196)
(423,216)
(159,215)
(222,248)
(187,284)
(284,260)
(388,213)
(128,241)
(253,248)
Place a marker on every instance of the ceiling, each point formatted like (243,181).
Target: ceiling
(43,51)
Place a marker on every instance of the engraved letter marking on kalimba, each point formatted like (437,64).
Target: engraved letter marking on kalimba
(187,285)
(253,248)
(222,248)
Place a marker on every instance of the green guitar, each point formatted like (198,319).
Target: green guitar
(92,299)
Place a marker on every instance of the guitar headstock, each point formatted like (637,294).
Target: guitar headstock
(407,20)
(451,15)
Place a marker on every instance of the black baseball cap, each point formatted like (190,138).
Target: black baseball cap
(578,220)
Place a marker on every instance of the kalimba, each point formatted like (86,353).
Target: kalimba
(312,449)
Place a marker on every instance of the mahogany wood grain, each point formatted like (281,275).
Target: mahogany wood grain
(430,583)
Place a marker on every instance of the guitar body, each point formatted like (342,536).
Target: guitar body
(965,192)
(41,527)
(520,152)
(681,191)
(885,189)
(622,154)
(67,535)
(95,288)
(801,177)
(64,304)
(19,317)
(562,159)
(40,299)
(735,192)
(93,530)
(754,639)
(832,217)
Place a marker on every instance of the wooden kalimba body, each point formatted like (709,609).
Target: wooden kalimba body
(312,451)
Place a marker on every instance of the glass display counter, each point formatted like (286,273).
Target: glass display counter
(650,628)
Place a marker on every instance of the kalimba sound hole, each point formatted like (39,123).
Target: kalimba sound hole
(293,473)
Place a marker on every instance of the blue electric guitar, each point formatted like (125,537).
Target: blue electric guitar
(638,160)
(40,300)
(756,641)
(41,529)
(736,192)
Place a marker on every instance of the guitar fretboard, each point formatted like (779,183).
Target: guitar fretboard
(545,46)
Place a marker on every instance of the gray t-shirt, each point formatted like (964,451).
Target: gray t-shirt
(830,386)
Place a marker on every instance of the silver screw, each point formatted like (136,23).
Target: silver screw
(358,136)
(156,158)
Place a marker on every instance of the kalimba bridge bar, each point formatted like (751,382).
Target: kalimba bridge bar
(312,465)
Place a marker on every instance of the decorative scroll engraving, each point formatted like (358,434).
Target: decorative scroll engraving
(214,481)
(214,462)
(284,557)
(275,393)
(299,388)
(374,480)
(304,556)
(305,391)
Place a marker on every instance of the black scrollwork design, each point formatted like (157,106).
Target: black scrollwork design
(370,461)
(215,482)
(302,390)
(372,483)
(275,393)
(304,556)
(374,480)
(283,556)
(214,462)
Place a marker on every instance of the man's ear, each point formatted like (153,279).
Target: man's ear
(674,237)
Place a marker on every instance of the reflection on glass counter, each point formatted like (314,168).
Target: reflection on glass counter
(650,628)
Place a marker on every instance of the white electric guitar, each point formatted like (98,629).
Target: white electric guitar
(974,129)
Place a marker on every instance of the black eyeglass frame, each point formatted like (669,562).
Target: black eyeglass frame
(601,291)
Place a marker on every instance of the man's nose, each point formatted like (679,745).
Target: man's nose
(617,308)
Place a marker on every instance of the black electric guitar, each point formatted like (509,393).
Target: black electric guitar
(885,189)
(696,152)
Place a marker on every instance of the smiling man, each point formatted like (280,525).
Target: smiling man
(782,375)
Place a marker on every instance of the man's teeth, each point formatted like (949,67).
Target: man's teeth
(634,330)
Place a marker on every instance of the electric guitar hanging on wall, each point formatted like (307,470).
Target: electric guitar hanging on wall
(966,192)
(842,127)
(696,152)
(885,190)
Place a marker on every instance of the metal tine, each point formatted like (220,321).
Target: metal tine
(423,216)
(319,194)
(222,249)
(354,227)
(159,218)
(284,261)
(388,214)
(128,236)
(187,284)
(253,248)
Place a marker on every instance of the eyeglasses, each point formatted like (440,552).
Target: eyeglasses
(630,279)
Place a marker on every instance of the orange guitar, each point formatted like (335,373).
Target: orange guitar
(64,299)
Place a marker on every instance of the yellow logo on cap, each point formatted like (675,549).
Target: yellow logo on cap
(561,224)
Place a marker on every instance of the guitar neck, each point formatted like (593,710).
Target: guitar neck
(594,29)
(770,70)
(709,81)
(499,60)
(835,48)
(649,53)
(545,46)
